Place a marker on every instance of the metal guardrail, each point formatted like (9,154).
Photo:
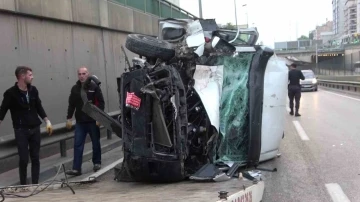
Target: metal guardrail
(342,85)
(160,8)
(310,50)
(59,136)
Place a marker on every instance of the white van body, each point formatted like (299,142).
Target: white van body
(274,107)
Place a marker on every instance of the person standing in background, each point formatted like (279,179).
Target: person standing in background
(84,123)
(294,89)
(25,106)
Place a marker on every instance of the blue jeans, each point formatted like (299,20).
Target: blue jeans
(81,130)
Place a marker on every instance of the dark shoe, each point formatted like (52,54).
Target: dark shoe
(73,172)
(291,112)
(297,114)
(97,167)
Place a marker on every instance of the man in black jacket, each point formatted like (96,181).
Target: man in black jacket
(84,123)
(294,89)
(25,106)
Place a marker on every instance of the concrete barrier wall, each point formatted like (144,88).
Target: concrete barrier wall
(55,49)
(100,13)
(306,57)
(340,78)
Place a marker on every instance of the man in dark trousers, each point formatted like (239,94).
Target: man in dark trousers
(294,89)
(25,106)
(84,123)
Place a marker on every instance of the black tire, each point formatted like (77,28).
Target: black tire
(149,46)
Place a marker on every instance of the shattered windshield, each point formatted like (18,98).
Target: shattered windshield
(242,38)
(234,108)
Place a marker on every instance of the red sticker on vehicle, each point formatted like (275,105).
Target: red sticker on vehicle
(132,101)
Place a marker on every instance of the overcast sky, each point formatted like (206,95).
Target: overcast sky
(276,20)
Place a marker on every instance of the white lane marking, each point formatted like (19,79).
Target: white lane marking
(336,193)
(341,95)
(300,131)
(103,170)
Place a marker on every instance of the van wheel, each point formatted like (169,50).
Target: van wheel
(149,47)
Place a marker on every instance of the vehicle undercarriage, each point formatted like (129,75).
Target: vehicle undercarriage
(188,110)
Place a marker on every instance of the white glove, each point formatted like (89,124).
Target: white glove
(49,128)
(69,124)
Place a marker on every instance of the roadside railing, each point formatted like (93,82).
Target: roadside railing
(341,85)
(59,136)
(160,8)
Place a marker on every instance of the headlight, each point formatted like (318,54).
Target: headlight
(314,81)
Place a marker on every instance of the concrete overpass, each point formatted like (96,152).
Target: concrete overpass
(309,55)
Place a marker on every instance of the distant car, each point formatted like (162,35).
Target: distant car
(310,83)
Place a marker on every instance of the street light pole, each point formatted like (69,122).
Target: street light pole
(247,19)
(235,14)
(200,9)
(247,16)
(316,46)
(316,52)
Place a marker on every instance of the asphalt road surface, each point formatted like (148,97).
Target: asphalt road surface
(319,161)
(320,152)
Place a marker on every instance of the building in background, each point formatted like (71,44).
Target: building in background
(325,28)
(327,38)
(338,17)
(350,17)
(297,45)
(358,16)
(175,2)
(231,26)
(323,33)
(244,26)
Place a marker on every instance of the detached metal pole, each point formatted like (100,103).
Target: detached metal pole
(109,134)
(63,148)
(200,9)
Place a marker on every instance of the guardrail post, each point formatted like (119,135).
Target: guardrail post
(109,134)
(171,10)
(160,13)
(63,148)
(145,5)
